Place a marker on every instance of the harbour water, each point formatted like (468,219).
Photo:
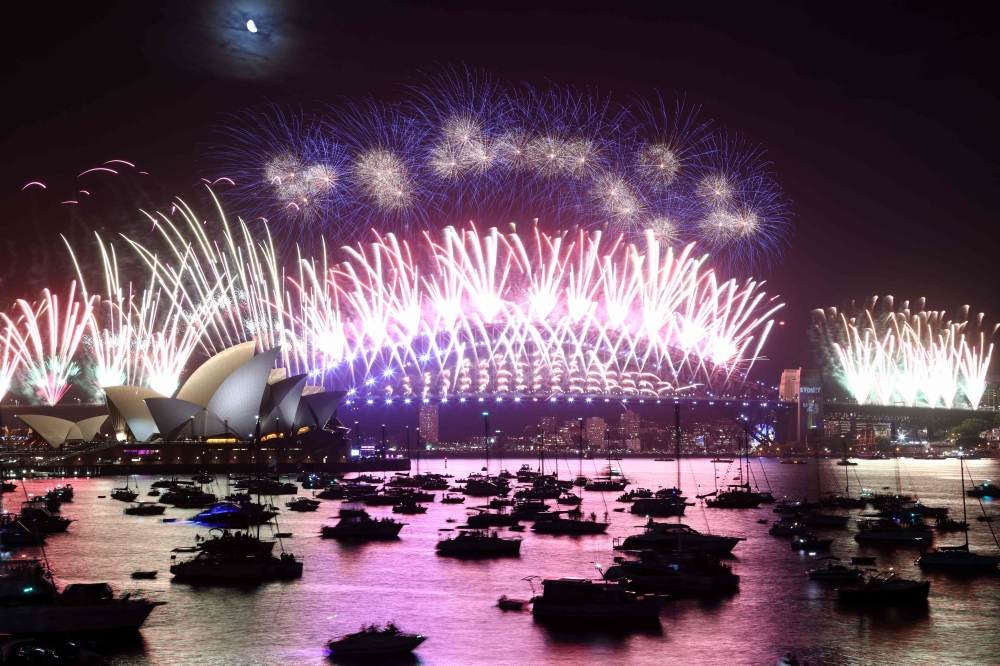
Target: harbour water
(453,602)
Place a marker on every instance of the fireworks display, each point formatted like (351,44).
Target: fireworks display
(460,312)
(47,339)
(907,357)
(462,147)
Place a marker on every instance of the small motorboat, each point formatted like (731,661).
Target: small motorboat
(811,542)
(102,497)
(835,571)
(283,535)
(508,604)
(145,509)
(763,521)
(143,575)
(168,520)
(374,641)
(516,528)
(303,504)
(452,499)
(153,493)
(985,519)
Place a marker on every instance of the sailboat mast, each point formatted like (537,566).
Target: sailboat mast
(677,441)
(961,481)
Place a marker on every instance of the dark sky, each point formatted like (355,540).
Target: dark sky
(880,118)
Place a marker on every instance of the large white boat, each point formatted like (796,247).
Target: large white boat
(31,604)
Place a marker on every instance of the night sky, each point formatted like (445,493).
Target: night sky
(881,122)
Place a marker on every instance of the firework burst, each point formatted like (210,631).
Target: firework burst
(47,339)
(462,146)
(907,357)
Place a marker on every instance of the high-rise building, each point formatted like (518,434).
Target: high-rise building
(593,431)
(804,386)
(548,425)
(429,422)
(630,423)
(788,390)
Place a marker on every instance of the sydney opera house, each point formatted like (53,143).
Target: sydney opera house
(233,410)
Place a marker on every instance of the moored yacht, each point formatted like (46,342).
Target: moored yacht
(891,531)
(675,536)
(31,604)
(689,574)
(554,523)
(357,524)
(579,601)
(886,589)
(480,543)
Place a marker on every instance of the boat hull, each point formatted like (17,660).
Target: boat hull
(114,617)
(603,613)
(914,595)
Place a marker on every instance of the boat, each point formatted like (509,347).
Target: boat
(886,589)
(236,556)
(581,481)
(663,459)
(282,535)
(815,519)
(957,558)
(960,558)
(569,499)
(605,485)
(525,473)
(153,493)
(15,533)
(125,494)
(144,509)
(951,525)
(40,519)
(794,461)
(781,528)
(171,483)
(186,497)
(844,462)
(479,543)
(985,489)
(875,530)
(452,499)
(687,574)
(833,570)
(144,575)
(233,515)
(505,603)
(858,559)
(237,565)
(676,536)
(334,491)
(811,542)
(204,478)
(373,642)
(31,604)
(738,497)
(579,601)
(766,497)
(573,523)
(357,524)
(659,506)
(721,460)
(486,518)
(409,507)
(302,504)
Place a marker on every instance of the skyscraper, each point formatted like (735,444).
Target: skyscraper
(593,432)
(630,423)
(548,425)
(429,422)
